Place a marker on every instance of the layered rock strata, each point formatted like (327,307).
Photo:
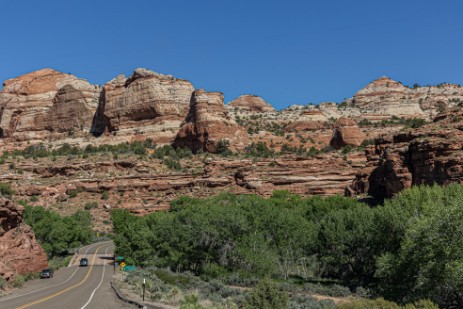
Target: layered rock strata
(251,103)
(386,97)
(208,123)
(145,103)
(19,251)
(425,156)
(45,104)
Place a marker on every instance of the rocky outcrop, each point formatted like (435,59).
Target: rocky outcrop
(424,156)
(251,103)
(144,186)
(208,123)
(146,102)
(19,251)
(346,132)
(46,104)
(386,97)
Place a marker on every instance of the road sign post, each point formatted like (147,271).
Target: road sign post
(144,285)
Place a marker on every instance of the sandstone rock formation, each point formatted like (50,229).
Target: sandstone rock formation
(251,103)
(147,102)
(386,97)
(46,104)
(346,132)
(19,251)
(428,155)
(208,123)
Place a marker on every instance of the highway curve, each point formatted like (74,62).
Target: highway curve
(73,287)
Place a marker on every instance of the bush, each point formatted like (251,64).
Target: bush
(90,205)
(266,295)
(223,148)
(380,303)
(191,302)
(347,149)
(2,283)
(18,281)
(306,302)
(173,164)
(104,195)
(73,193)
(5,189)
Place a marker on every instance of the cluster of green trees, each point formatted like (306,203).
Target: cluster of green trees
(57,234)
(261,150)
(41,151)
(409,249)
(394,120)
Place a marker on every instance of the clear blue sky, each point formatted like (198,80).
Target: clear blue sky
(288,52)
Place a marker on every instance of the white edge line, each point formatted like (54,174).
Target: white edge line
(101,281)
(47,287)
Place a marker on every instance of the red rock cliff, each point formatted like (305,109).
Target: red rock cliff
(208,123)
(19,251)
(424,156)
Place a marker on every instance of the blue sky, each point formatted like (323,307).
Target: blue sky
(288,52)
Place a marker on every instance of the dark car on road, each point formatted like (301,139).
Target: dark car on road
(46,273)
(83,262)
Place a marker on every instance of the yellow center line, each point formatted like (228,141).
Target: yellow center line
(65,290)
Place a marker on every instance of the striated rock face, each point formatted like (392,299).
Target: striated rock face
(19,251)
(251,103)
(385,96)
(208,123)
(428,155)
(42,104)
(346,132)
(144,186)
(146,101)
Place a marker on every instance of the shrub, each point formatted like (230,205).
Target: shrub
(104,195)
(173,164)
(90,205)
(347,149)
(191,302)
(72,193)
(18,281)
(2,283)
(380,303)
(223,148)
(5,189)
(266,295)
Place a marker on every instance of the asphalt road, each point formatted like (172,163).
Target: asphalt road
(73,287)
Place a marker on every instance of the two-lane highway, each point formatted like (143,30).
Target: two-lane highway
(72,287)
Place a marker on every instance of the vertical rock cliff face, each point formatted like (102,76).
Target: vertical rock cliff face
(42,104)
(208,123)
(19,251)
(424,156)
(153,103)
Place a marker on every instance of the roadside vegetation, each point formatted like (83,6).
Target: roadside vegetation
(59,235)
(406,251)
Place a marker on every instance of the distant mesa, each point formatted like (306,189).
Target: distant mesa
(251,103)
